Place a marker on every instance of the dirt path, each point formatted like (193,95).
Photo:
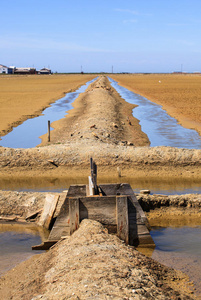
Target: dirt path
(99,114)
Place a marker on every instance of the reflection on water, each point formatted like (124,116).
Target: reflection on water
(27,134)
(183,239)
(16,242)
(161,129)
(156,185)
(179,248)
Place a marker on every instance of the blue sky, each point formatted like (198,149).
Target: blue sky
(131,36)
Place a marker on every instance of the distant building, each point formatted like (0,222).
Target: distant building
(44,71)
(5,70)
(25,71)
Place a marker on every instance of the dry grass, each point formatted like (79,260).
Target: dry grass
(180,95)
(22,97)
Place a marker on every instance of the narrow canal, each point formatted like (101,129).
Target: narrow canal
(16,242)
(27,135)
(175,247)
(161,129)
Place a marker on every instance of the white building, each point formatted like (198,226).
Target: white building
(5,70)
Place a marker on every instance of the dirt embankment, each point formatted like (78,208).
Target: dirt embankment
(72,159)
(21,204)
(99,114)
(168,209)
(91,264)
(100,126)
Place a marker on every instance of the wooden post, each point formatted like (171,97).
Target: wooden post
(48,131)
(74,214)
(95,178)
(122,218)
(91,187)
(93,167)
(119,171)
(48,210)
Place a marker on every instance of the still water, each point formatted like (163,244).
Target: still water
(166,186)
(27,135)
(161,129)
(179,248)
(16,242)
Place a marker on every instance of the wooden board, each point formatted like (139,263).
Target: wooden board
(122,218)
(62,198)
(48,210)
(101,209)
(78,190)
(62,224)
(74,214)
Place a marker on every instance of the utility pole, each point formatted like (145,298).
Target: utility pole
(112,69)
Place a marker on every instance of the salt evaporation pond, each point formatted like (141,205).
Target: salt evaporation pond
(27,134)
(161,129)
(16,242)
(179,248)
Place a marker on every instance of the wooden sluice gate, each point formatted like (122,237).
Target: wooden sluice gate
(113,205)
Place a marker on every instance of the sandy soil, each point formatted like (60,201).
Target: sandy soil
(100,114)
(91,264)
(101,126)
(180,95)
(24,97)
(182,210)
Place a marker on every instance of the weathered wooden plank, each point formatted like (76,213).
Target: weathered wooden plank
(122,218)
(109,189)
(58,231)
(146,240)
(78,190)
(48,210)
(74,214)
(136,215)
(62,198)
(62,224)
(101,209)
(91,188)
(33,214)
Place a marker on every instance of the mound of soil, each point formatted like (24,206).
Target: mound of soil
(91,264)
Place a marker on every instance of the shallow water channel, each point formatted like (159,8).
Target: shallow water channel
(27,135)
(16,242)
(166,186)
(175,247)
(161,129)
(179,248)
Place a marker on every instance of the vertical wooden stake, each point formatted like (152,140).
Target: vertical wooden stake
(119,172)
(122,218)
(48,131)
(74,214)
